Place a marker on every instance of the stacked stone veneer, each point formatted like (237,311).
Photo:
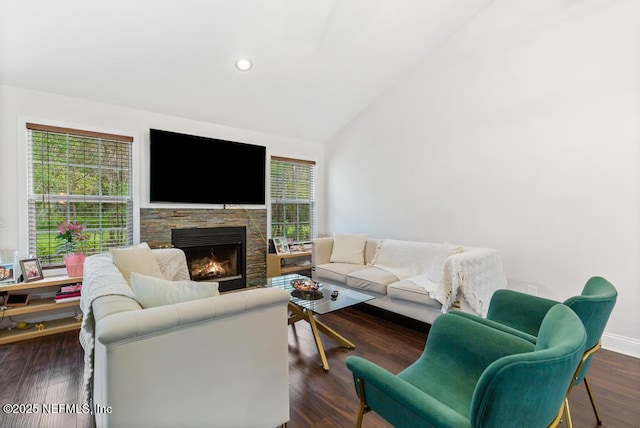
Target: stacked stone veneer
(156,225)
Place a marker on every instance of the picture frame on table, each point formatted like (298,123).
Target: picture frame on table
(7,274)
(31,270)
(282,247)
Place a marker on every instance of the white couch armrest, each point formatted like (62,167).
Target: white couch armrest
(321,249)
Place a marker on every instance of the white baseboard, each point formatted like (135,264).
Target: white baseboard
(621,344)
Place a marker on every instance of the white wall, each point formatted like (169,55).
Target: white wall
(18,106)
(521,133)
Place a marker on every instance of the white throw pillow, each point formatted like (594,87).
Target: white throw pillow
(151,291)
(437,264)
(137,258)
(348,249)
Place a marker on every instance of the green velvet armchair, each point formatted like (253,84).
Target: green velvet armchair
(522,314)
(474,375)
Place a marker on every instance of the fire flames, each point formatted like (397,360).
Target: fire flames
(209,268)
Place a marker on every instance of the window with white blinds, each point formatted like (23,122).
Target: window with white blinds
(292,199)
(78,176)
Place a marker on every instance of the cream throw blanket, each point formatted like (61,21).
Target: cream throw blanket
(405,259)
(477,273)
(419,262)
(101,278)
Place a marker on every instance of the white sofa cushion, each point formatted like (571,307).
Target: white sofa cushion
(348,249)
(138,258)
(411,292)
(173,264)
(371,279)
(336,271)
(151,291)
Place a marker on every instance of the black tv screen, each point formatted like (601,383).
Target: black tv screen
(191,169)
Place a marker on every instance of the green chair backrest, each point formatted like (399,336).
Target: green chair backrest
(593,306)
(528,389)
(520,311)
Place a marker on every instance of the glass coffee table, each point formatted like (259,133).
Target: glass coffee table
(303,306)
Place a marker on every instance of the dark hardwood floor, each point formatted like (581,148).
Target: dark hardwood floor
(49,370)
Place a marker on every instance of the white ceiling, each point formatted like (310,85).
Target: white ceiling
(317,63)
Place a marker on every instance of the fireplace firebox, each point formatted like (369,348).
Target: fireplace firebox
(215,254)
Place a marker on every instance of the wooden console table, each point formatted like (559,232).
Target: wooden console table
(40,306)
(282,264)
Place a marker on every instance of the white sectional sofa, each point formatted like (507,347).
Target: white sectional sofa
(419,280)
(213,361)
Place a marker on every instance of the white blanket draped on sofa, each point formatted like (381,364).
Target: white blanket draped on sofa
(96,283)
(406,259)
(430,266)
(477,278)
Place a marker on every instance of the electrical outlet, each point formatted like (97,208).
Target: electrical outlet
(532,289)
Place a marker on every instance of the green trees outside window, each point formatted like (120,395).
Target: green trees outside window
(78,176)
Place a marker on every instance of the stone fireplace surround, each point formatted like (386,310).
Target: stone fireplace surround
(156,225)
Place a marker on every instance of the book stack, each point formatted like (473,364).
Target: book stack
(68,293)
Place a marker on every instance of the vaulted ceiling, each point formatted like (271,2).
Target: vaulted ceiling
(317,63)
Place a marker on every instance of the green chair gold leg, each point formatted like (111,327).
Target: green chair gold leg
(593,401)
(567,413)
(363,403)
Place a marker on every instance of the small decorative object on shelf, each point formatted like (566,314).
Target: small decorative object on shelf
(68,293)
(282,246)
(12,300)
(40,326)
(8,266)
(7,273)
(31,270)
(74,264)
(72,238)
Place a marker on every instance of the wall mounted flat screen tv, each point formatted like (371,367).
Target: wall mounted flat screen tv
(199,170)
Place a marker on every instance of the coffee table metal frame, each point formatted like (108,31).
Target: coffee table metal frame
(304,309)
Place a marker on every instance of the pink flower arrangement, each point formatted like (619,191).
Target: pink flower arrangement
(72,237)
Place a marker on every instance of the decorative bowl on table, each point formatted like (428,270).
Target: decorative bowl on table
(306,288)
(305,284)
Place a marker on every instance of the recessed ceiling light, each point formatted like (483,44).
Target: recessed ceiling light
(244,64)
